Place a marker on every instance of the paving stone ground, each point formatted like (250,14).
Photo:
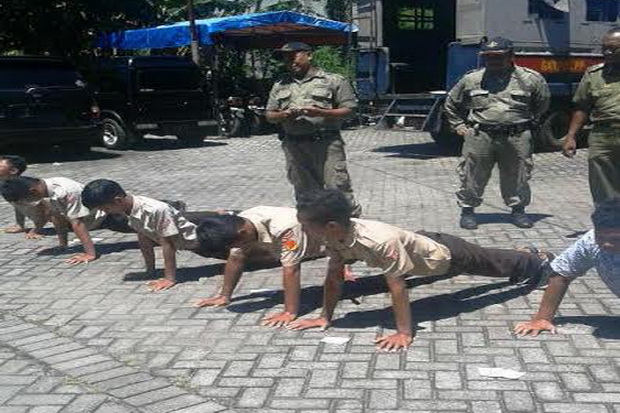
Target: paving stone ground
(92,339)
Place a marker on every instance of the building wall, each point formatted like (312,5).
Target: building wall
(560,32)
(368,16)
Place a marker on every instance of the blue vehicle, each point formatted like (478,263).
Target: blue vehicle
(428,45)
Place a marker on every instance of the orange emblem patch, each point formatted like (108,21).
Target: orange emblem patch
(288,242)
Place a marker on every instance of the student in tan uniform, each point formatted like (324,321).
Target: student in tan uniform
(11,166)
(326,215)
(265,236)
(66,209)
(156,222)
(272,232)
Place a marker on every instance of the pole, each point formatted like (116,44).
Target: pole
(193,32)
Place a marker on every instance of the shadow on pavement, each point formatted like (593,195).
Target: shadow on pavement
(35,155)
(497,218)
(605,326)
(432,308)
(437,307)
(160,144)
(187,274)
(576,234)
(427,150)
(102,249)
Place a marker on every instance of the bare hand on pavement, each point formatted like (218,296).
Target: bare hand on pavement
(278,319)
(534,328)
(160,285)
(215,301)
(394,342)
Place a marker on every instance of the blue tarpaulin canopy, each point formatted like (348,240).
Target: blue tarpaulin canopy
(255,30)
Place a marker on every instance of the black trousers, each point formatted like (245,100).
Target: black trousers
(468,258)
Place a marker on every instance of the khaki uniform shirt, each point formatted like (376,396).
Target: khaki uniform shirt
(157,220)
(397,252)
(279,230)
(317,88)
(517,96)
(65,198)
(599,94)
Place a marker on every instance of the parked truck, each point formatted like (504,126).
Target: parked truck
(431,44)
(164,95)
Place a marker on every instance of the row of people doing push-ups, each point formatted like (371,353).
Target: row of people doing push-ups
(320,225)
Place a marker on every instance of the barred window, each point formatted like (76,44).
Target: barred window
(416,18)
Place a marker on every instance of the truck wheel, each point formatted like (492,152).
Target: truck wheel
(552,130)
(191,140)
(114,135)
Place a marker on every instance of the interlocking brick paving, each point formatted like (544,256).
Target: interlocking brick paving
(91,338)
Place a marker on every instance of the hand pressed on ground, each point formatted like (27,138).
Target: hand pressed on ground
(394,342)
(534,328)
(307,323)
(81,259)
(281,319)
(215,301)
(160,285)
(14,229)
(32,234)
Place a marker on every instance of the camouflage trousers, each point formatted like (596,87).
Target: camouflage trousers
(513,156)
(318,164)
(604,163)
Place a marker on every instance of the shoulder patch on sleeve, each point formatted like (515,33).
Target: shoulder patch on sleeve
(289,241)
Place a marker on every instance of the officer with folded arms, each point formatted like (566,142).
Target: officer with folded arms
(309,104)
(494,109)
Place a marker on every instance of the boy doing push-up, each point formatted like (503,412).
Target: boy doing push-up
(326,215)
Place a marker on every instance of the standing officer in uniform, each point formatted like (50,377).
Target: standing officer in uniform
(598,98)
(310,104)
(494,108)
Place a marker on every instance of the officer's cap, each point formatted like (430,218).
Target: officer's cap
(294,47)
(497,45)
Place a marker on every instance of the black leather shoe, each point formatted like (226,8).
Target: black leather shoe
(468,221)
(521,220)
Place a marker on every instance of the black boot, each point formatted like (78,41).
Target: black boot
(468,219)
(520,219)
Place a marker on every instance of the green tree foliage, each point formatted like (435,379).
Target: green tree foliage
(333,59)
(176,10)
(339,9)
(66,27)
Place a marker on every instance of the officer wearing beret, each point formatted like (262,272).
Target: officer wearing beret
(309,104)
(494,108)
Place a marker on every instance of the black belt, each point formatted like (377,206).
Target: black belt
(512,129)
(314,136)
